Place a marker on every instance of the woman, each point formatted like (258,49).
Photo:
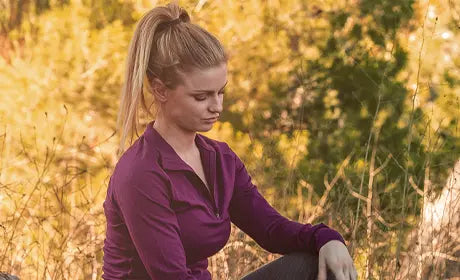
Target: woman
(173,192)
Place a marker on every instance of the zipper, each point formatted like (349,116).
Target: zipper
(215,210)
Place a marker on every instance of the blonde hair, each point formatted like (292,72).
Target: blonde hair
(165,45)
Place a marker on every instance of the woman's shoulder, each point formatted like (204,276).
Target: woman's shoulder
(138,164)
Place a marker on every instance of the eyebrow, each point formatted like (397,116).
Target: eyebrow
(208,91)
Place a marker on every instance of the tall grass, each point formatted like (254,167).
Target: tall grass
(56,155)
(53,226)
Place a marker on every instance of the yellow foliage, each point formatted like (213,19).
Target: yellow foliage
(295,148)
(59,91)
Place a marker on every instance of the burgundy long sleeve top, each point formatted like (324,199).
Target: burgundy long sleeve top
(163,223)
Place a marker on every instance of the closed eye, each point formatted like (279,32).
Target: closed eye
(203,97)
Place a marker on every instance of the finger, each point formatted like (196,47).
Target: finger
(322,272)
(354,274)
(339,275)
(346,273)
(352,277)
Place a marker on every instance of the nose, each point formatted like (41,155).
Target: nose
(216,105)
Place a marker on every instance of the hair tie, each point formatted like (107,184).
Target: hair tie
(174,21)
(162,26)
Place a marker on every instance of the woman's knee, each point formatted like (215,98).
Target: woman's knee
(296,265)
(305,264)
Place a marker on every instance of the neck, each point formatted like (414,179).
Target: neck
(182,141)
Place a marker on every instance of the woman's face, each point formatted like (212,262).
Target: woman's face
(199,98)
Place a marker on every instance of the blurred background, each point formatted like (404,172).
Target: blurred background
(344,111)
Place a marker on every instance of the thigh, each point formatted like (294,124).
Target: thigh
(293,266)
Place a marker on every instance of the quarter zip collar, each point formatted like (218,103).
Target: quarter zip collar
(170,159)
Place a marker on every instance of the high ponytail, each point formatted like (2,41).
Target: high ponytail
(165,43)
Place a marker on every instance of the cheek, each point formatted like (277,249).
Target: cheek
(198,108)
(190,108)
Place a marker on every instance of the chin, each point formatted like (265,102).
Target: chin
(205,128)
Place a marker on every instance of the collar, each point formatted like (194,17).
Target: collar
(169,159)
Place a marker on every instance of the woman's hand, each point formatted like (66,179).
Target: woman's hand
(335,255)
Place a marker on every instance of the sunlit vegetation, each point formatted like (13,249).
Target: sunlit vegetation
(344,112)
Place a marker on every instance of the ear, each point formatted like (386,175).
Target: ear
(160,91)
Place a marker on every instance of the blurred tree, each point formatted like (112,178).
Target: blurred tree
(14,12)
(352,102)
(340,73)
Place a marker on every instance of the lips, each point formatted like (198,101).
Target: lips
(213,120)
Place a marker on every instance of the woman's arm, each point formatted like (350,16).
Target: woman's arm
(253,214)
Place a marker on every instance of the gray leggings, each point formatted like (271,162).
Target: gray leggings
(293,266)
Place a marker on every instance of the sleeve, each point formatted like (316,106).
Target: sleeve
(144,202)
(250,212)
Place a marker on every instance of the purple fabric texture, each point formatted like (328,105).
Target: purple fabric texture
(163,223)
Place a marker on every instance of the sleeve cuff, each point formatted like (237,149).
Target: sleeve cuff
(326,234)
